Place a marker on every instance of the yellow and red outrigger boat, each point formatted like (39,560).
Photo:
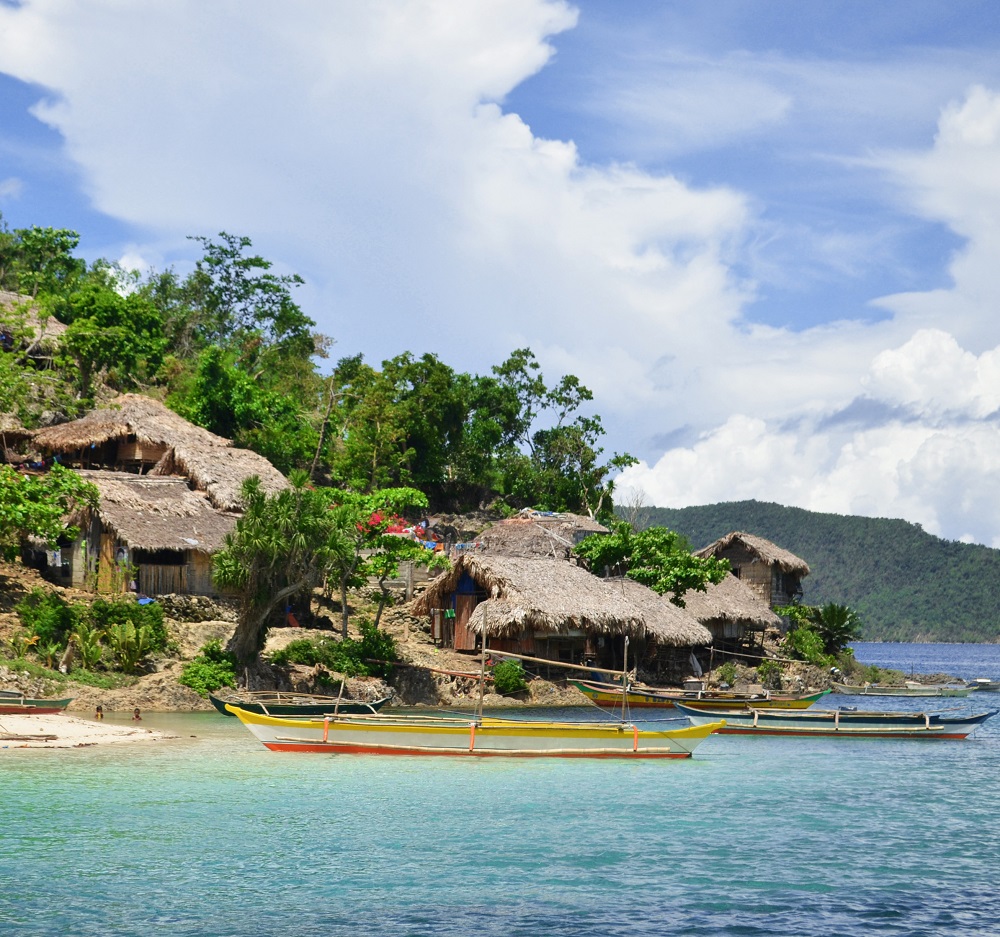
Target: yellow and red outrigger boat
(386,734)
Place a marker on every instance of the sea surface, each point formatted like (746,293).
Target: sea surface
(213,835)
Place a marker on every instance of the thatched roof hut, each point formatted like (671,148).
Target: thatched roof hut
(537,533)
(769,553)
(159,513)
(550,595)
(774,573)
(210,461)
(731,602)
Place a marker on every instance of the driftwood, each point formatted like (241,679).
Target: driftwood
(28,738)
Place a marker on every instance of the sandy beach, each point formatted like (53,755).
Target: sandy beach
(62,731)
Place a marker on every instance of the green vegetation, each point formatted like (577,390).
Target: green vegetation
(371,656)
(113,634)
(509,677)
(769,674)
(726,673)
(211,669)
(656,557)
(903,583)
(228,347)
(38,505)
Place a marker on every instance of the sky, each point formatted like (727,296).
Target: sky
(764,234)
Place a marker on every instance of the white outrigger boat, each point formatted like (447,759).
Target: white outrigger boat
(387,734)
(911,688)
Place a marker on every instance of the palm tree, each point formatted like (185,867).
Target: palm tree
(837,625)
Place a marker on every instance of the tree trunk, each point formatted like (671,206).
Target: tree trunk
(248,639)
(343,608)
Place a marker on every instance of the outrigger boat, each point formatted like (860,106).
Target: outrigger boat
(911,688)
(471,736)
(475,736)
(840,723)
(14,703)
(278,703)
(609,695)
(985,684)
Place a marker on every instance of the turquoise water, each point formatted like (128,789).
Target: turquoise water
(214,835)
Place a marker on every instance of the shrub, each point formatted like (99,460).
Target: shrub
(769,674)
(105,615)
(371,656)
(508,677)
(47,615)
(211,669)
(726,673)
(805,643)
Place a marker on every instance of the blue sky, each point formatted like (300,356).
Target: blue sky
(763,233)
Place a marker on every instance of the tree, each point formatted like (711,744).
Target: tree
(228,401)
(656,557)
(119,336)
(834,625)
(359,545)
(36,261)
(37,506)
(240,299)
(279,549)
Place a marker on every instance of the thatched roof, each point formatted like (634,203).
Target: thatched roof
(769,553)
(210,461)
(730,601)
(553,595)
(535,533)
(151,513)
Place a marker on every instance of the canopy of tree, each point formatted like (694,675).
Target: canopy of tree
(228,348)
(656,557)
(903,583)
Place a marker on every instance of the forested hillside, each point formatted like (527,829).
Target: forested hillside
(906,585)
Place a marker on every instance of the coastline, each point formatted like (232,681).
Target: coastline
(60,730)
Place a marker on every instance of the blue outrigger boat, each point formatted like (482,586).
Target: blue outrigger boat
(840,723)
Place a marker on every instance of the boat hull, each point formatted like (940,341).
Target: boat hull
(835,723)
(610,697)
(22,706)
(289,708)
(420,735)
(914,691)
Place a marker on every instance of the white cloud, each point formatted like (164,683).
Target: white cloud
(365,146)
(11,187)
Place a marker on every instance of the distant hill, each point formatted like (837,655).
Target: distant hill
(906,584)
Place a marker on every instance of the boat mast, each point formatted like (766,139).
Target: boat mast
(482,677)
(624,677)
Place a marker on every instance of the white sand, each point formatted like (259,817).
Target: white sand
(70,732)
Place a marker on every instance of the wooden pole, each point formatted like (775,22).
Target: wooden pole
(624,677)
(482,676)
(559,663)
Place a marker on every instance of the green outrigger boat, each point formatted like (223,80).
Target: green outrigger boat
(15,703)
(278,703)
